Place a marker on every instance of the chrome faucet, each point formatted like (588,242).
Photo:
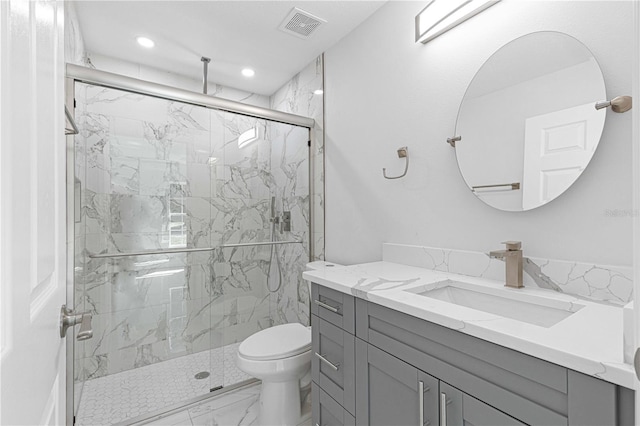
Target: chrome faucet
(513,258)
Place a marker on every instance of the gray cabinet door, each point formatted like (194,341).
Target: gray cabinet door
(332,362)
(459,409)
(391,391)
(326,411)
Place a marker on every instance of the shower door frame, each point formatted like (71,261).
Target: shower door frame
(76,73)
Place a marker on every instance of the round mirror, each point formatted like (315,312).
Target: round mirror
(527,125)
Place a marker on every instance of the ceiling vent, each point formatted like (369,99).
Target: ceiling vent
(300,23)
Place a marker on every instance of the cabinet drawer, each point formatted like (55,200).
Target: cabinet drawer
(333,306)
(326,411)
(332,362)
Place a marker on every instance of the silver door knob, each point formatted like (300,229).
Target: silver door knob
(68,318)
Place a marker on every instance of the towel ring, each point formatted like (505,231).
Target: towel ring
(402,153)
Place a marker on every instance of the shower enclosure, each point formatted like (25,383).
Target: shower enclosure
(192,229)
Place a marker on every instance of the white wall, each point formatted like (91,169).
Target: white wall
(384,91)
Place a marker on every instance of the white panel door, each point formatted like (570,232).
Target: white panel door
(32,212)
(557,148)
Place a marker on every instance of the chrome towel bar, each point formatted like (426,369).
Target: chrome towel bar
(149,252)
(187,250)
(514,186)
(266,243)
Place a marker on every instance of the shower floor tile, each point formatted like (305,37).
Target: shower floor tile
(118,397)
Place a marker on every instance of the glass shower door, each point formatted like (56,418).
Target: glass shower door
(147,175)
(169,177)
(262,191)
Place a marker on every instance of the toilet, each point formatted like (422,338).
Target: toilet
(280,357)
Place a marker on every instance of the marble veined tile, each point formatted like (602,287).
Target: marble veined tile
(187,116)
(125,175)
(163,174)
(612,284)
(138,214)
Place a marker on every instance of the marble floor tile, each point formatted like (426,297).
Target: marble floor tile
(239,413)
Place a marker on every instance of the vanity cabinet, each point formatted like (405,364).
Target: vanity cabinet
(393,392)
(333,357)
(408,371)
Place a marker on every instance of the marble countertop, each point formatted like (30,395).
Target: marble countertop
(590,340)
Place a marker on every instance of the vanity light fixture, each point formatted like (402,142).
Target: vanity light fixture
(248,72)
(318,92)
(145,42)
(439,16)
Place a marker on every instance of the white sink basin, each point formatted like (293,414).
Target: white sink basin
(532,309)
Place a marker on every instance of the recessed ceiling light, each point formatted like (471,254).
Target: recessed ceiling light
(318,92)
(248,72)
(145,42)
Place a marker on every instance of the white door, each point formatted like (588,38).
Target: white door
(557,148)
(32,212)
(635,146)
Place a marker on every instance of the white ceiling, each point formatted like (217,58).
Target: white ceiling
(234,34)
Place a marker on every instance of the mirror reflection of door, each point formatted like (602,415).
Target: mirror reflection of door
(557,148)
(527,112)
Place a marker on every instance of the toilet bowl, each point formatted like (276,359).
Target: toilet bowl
(280,357)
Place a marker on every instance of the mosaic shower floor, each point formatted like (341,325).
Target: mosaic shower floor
(118,397)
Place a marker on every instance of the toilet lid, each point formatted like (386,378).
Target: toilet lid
(281,341)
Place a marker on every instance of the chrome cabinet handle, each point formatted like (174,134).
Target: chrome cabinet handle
(421,391)
(326,361)
(443,409)
(324,305)
(421,401)
(68,318)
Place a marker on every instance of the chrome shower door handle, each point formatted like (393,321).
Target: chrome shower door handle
(68,318)
(86,331)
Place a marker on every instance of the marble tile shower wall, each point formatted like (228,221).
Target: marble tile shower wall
(162,174)
(291,302)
